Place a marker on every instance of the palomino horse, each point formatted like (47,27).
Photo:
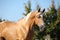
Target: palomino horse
(23,29)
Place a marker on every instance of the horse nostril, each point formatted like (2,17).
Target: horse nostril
(42,27)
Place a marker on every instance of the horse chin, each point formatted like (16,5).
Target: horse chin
(41,28)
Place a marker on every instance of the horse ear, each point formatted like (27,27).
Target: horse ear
(43,10)
(39,9)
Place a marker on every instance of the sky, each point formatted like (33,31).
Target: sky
(13,10)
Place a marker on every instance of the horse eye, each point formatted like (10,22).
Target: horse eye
(39,16)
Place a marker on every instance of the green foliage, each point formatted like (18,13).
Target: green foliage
(52,20)
(27,8)
(58,11)
(0,20)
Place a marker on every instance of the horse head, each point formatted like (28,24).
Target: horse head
(39,19)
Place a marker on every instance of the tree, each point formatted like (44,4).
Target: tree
(0,20)
(51,17)
(50,20)
(57,28)
(58,11)
(27,8)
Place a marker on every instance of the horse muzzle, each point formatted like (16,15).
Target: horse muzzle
(42,28)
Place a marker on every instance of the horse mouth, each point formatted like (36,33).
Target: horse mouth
(2,38)
(42,28)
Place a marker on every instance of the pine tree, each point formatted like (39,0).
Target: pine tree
(58,11)
(57,29)
(0,20)
(27,8)
(50,20)
(51,17)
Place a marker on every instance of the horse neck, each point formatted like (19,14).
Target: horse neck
(30,34)
(28,25)
(31,31)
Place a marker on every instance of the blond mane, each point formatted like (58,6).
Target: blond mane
(28,15)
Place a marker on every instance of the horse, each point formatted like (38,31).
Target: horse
(23,29)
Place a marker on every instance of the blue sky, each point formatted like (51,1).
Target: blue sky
(12,9)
